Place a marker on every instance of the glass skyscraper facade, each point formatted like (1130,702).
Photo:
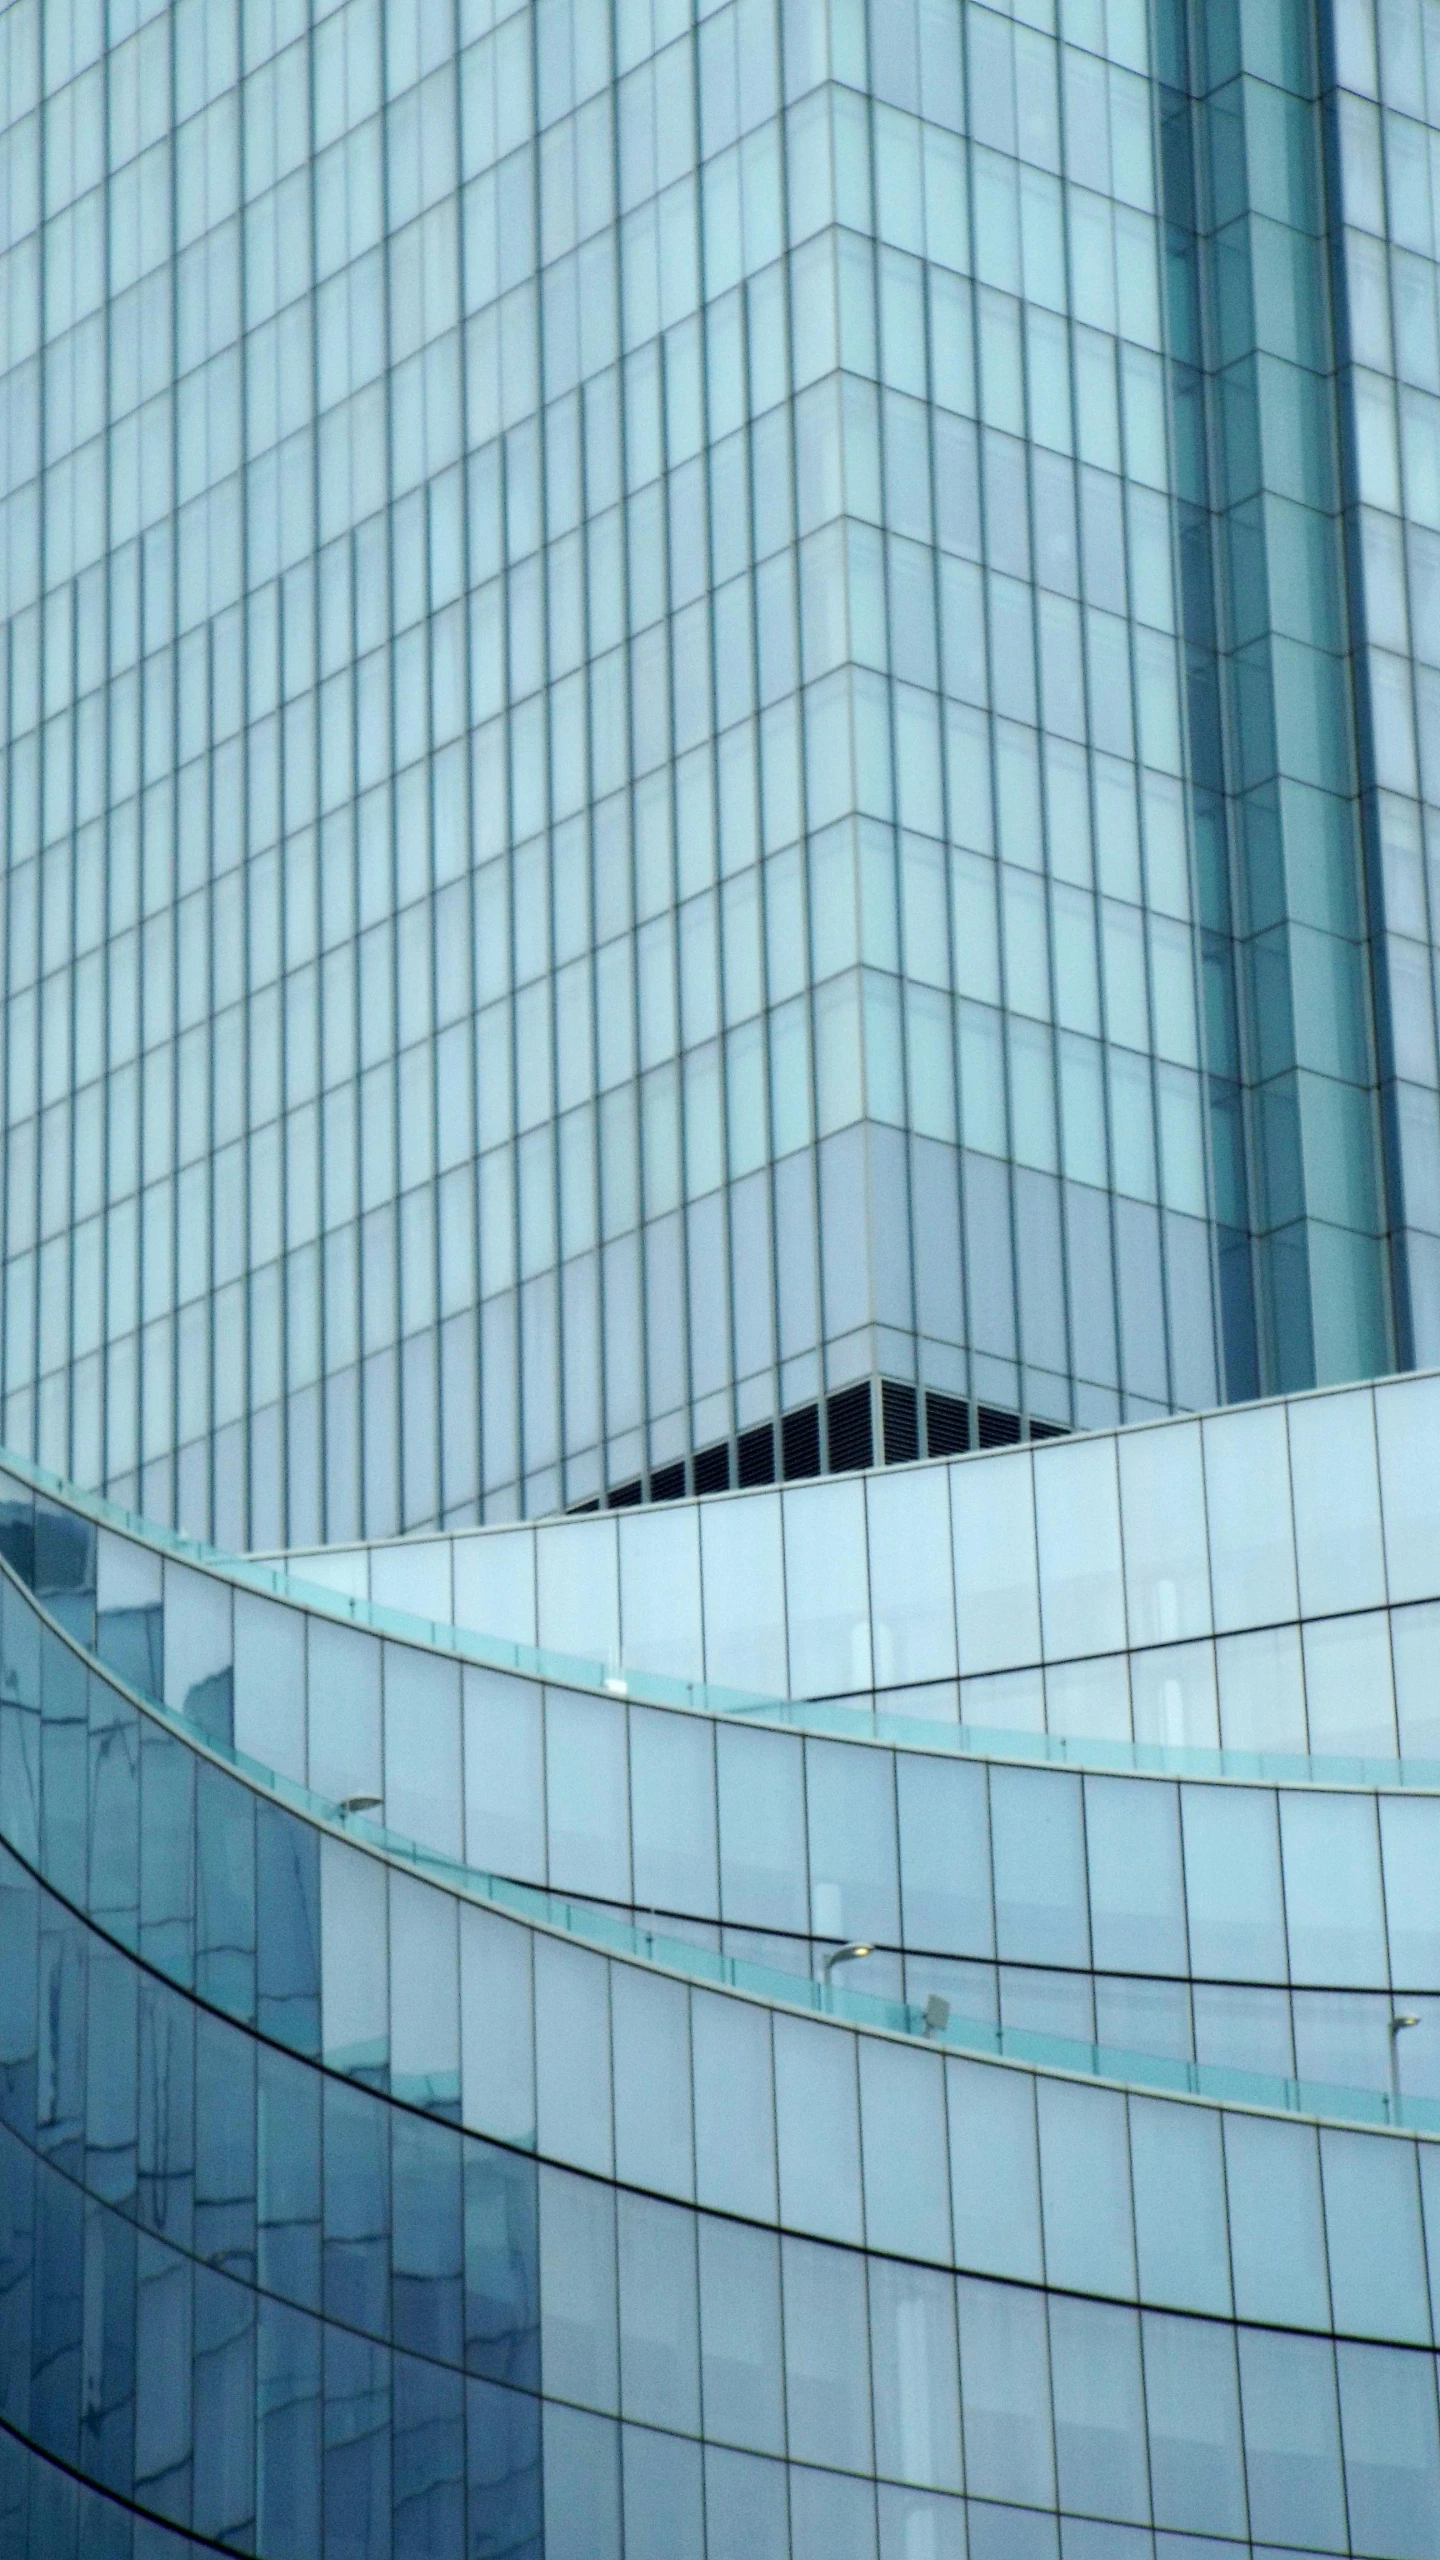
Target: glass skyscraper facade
(700,705)
(718,806)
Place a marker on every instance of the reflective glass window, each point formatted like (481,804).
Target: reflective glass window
(903,2146)
(827,2358)
(1247,1502)
(424,1797)
(850,1804)
(1277,2233)
(577,1582)
(1099,2409)
(650,2021)
(1292,2440)
(917,2382)
(997,1595)
(744,1595)
(1349,1701)
(1192,2406)
(1077,1513)
(572,2056)
(1183,2258)
(762,1829)
(1333,1903)
(504,1775)
(344,1710)
(1232,1880)
(672,1783)
(1005,2378)
(1377,2247)
(944,1855)
(911,1594)
(1040,1884)
(660,1613)
(587,1795)
(1337,1503)
(1407,1425)
(995,2170)
(494,1584)
(817,2129)
(497,2028)
(1392,2455)
(827,1589)
(740,2334)
(659,2313)
(1162,1492)
(1137,1885)
(1085,2188)
(735,2163)
(270,1684)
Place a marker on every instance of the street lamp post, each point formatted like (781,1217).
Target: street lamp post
(1397,2028)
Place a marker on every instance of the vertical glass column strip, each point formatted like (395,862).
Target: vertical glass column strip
(1210,829)
(1298,885)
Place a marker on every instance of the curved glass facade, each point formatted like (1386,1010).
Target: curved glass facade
(357,2199)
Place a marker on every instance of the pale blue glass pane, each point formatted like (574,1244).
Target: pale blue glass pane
(494,1584)
(660,1615)
(1337,1503)
(587,1793)
(734,2106)
(663,2496)
(762,1829)
(914,2526)
(994,2170)
(1099,2409)
(831,2518)
(1004,2375)
(497,2028)
(1077,1512)
(654,2139)
(826,1589)
(672,1783)
(1349,1702)
(944,1855)
(1184,2258)
(745,2507)
(850,1801)
(903,2146)
(917,2381)
(1247,1499)
(424,1994)
(504,1775)
(1392,2456)
(1089,1701)
(1262,1691)
(198,1649)
(1276,2227)
(997,1595)
(740,2334)
(744,1595)
(354,1958)
(344,1704)
(659,2313)
(582,2485)
(817,2129)
(1407,1427)
(1415,1644)
(1040,1883)
(1137,1884)
(577,1584)
(1192,2402)
(1292,2440)
(579,2332)
(911,1594)
(1167,1575)
(827,2361)
(1232,1877)
(414,1577)
(1173,1699)
(424,1794)
(1333,1904)
(1410,1843)
(1085,2188)
(270,1684)
(1377,2248)
(572,2056)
